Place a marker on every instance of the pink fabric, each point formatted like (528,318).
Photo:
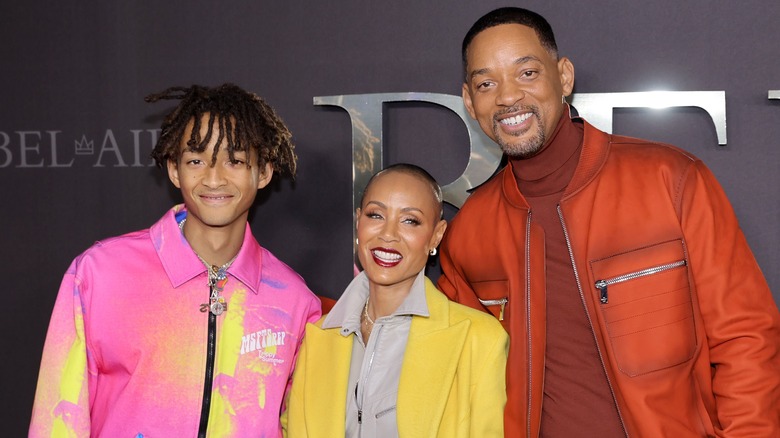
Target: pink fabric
(125,352)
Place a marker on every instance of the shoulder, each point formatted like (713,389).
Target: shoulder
(485,196)
(278,275)
(324,337)
(489,189)
(117,248)
(597,142)
(272,264)
(648,152)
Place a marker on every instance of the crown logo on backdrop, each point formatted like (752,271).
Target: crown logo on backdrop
(84,146)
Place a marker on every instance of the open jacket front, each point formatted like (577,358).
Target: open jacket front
(689,346)
(126,351)
(451,382)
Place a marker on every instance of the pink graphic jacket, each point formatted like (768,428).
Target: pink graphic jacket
(125,353)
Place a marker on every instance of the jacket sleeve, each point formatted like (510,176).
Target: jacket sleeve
(740,316)
(62,398)
(489,392)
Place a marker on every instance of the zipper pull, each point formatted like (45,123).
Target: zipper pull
(360,411)
(501,312)
(602,286)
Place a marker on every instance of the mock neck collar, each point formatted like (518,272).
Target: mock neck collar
(550,170)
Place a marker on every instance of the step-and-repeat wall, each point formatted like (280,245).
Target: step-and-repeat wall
(75,132)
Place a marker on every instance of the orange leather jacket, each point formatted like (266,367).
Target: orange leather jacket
(685,324)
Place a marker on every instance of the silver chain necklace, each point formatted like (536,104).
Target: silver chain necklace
(217,280)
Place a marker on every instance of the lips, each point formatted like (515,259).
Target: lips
(515,120)
(386,257)
(215,198)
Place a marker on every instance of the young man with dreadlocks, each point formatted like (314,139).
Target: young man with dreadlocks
(188,328)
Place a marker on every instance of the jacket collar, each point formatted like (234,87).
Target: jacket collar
(181,264)
(595,147)
(348,309)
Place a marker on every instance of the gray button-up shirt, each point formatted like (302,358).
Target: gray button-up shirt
(375,369)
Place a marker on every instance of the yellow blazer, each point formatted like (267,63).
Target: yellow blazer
(452,379)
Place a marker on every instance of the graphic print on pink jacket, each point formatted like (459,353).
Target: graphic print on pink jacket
(125,353)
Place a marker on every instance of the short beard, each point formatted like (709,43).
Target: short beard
(522,149)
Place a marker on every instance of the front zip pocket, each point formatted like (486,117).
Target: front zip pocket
(602,285)
(384,412)
(499,302)
(646,308)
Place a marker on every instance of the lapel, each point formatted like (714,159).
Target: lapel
(431,359)
(325,391)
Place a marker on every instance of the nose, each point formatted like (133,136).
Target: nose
(214,176)
(509,94)
(389,231)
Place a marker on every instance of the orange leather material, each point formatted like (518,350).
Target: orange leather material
(689,350)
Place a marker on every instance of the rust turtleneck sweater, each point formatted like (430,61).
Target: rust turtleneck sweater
(577,399)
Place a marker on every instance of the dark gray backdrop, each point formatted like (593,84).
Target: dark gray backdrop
(81,70)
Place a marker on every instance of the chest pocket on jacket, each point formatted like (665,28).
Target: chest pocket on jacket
(645,302)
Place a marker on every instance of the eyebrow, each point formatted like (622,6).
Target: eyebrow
(518,61)
(405,209)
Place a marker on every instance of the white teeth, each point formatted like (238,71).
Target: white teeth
(516,120)
(386,256)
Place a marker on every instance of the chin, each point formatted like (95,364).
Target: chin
(524,149)
(380,279)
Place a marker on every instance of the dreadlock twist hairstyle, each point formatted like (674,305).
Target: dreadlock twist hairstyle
(243,119)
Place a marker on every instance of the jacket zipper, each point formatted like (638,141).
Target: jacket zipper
(359,398)
(499,302)
(209,380)
(590,321)
(601,285)
(528,315)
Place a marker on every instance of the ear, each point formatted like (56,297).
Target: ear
(173,173)
(357,219)
(264,178)
(566,72)
(438,233)
(467,100)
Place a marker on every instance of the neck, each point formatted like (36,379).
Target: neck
(384,300)
(551,170)
(215,245)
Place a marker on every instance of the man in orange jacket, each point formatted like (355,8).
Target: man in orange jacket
(632,300)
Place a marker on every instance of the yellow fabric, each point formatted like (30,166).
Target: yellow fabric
(452,379)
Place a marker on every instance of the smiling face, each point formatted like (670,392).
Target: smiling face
(217,196)
(398,224)
(514,88)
